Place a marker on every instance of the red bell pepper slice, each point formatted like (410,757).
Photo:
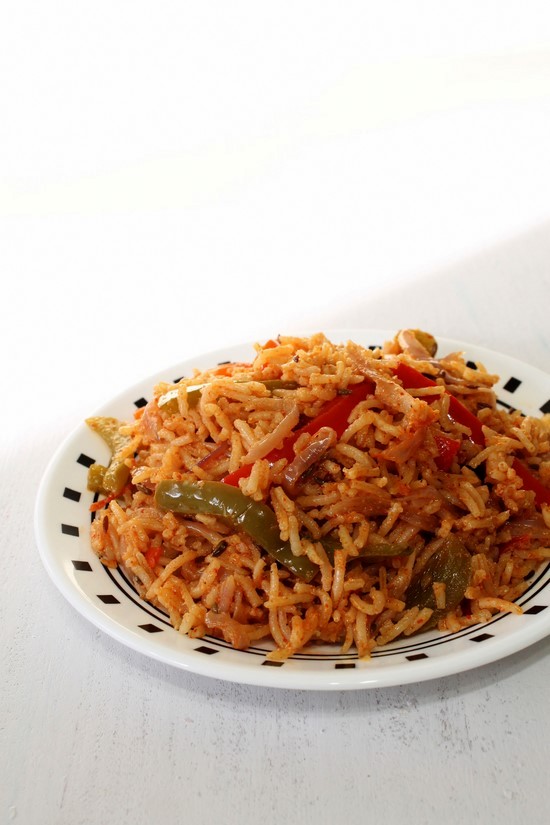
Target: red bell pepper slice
(152,556)
(447,448)
(334,414)
(542,493)
(413,379)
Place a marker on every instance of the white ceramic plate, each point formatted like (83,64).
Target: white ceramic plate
(107,599)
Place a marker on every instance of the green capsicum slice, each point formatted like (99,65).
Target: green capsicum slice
(229,503)
(451,564)
(169,401)
(111,479)
(372,550)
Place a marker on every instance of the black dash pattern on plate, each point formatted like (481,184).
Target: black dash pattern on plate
(72,495)
(108,598)
(85,460)
(207,650)
(344,665)
(70,530)
(82,566)
(482,637)
(545,407)
(141,402)
(416,656)
(536,608)
(269,663)
(512,384)
(150,628)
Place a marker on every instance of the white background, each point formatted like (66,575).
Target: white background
(178,176)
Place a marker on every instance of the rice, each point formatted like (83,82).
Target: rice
(370,510)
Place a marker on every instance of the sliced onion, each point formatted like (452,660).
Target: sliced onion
(202,530)
(410,342)
(323,440)
(405,448)
(210,460)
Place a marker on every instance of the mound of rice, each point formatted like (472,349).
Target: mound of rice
(368,481)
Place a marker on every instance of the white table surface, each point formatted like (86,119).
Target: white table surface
(176,177)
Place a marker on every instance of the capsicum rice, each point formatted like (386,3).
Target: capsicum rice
(326,492)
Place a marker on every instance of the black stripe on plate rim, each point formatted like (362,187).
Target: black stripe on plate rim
(334,657)
(85,460)
(137,601)
(512,384)
(328,657)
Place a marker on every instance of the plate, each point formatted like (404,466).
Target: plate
(107,599)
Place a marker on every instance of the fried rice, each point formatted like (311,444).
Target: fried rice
(326,492)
